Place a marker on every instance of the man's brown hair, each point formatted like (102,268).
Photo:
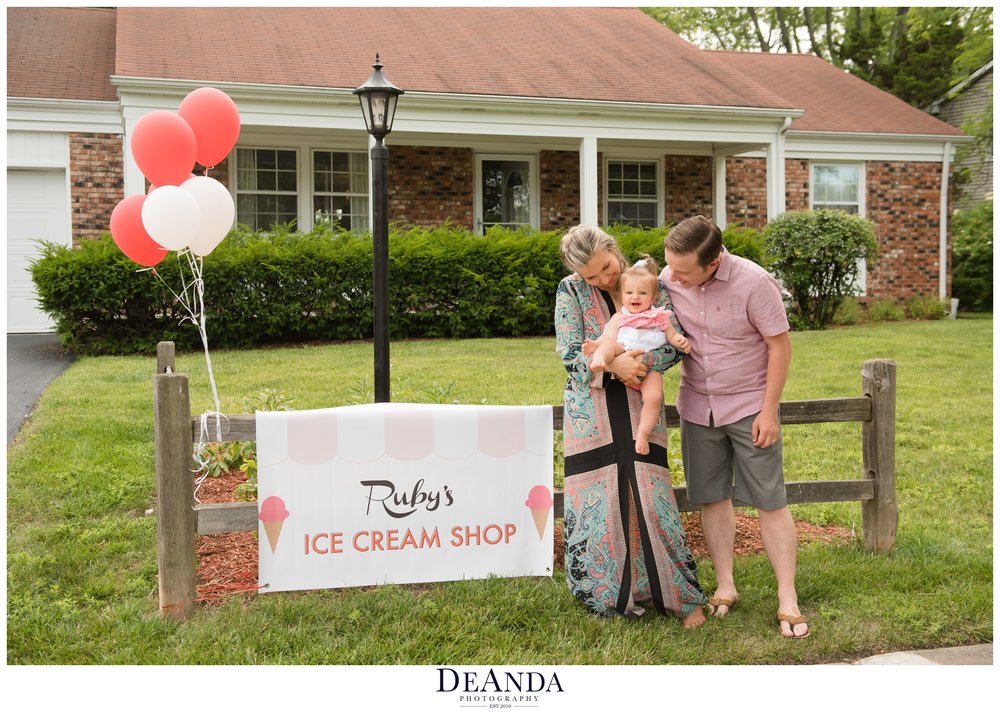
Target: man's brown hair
(696,234)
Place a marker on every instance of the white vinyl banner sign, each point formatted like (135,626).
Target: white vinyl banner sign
(403,493)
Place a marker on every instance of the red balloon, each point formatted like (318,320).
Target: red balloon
(130,235)
(216,123)
(164,147)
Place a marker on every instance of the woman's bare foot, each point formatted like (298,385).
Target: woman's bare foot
(694,619)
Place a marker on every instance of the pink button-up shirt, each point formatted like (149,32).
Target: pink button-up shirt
(726,320)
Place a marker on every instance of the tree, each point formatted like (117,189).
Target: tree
(915,53)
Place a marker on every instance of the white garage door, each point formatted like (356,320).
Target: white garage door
(36,210)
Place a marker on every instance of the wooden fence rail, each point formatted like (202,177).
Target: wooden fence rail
(179,519)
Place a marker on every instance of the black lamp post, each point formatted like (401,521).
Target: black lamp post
(378,104)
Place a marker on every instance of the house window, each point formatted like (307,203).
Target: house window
(340,189)
(633,195)
(266,187)
(506,192)
(836,186)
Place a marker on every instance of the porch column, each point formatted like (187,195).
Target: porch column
(776,173)
(588,180)
(134,182)
(943,223)
(719,189)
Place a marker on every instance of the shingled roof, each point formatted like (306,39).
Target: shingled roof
(61,53)
(592,53)
(833,99)
(613,54)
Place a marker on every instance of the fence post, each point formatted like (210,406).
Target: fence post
(880,515)
(175,515)
(165,357)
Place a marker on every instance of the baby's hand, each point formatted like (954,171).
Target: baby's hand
(589,347)
(682,343)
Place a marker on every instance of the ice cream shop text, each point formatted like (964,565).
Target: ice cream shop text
(402,539)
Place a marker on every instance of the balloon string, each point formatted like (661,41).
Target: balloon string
(197,266)
(202,442)
(195,309)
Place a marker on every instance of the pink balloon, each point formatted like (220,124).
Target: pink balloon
(164,148)
(130,235)
(216,123)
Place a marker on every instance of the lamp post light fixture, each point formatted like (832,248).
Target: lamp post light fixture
(378,104)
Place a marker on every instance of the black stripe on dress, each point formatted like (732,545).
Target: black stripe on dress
(620,416)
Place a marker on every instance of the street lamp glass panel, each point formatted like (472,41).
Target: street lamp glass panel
(378,111)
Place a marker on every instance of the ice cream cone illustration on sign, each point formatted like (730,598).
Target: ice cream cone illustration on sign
(539,502)
(273,514)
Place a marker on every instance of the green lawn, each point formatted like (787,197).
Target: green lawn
(81,556)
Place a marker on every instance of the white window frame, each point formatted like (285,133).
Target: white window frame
(305,177)
(861,286)
(861,181)
(313,150)
(534,198)
(660,183)
(298,177)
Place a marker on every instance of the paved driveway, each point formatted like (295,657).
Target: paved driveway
(33,360)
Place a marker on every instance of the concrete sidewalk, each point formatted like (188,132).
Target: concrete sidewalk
(964,655)
(33,360)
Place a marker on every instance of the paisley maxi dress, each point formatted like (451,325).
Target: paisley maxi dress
(624,541)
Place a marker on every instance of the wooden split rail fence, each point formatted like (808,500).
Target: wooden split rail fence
(180,520)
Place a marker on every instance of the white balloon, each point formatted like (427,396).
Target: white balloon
(217,212)
(171,216)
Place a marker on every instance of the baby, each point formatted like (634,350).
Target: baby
(638,326)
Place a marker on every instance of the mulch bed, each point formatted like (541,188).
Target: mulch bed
(227,563)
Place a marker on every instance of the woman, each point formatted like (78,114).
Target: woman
(624,541)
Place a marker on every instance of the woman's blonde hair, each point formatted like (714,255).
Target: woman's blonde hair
(580,244)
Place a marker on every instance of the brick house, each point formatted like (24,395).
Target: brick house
(582,115)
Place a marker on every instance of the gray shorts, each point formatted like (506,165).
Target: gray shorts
(722,463)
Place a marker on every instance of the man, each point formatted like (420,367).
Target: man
(730,388)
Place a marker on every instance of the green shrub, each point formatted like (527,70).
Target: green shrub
(849,313)
(746,242)
(926,307)
(284,286)
(883,310)
(815,254)
(281,285)
(972,257)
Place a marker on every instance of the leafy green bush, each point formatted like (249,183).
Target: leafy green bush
(815,254)
(926,307)
(972,257)
(883,310)
(285,286)
(746,242)
(281,285)
(849,313)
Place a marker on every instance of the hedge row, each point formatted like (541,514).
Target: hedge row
(282,286)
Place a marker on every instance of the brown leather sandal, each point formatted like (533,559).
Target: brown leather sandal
(715,601)
(792,621)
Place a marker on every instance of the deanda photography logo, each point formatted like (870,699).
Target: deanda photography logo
(497,689)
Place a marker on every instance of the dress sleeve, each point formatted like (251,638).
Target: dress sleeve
(662,358)
(570,336)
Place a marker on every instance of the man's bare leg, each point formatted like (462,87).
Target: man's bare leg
(718,522)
